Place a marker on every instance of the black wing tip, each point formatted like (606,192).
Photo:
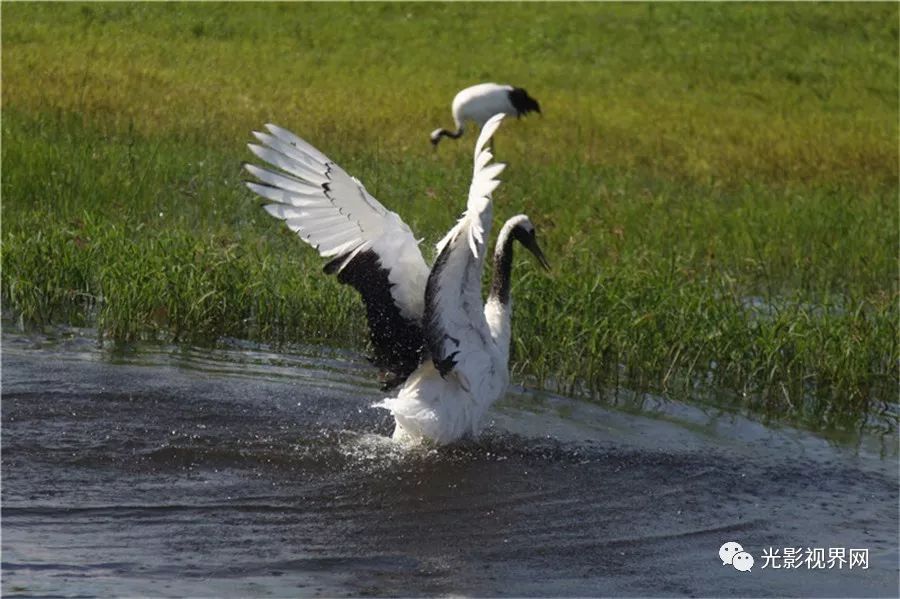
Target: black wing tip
(398,342)
(334,265)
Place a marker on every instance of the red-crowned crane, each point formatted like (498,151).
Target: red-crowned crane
(430,329)
(480,102)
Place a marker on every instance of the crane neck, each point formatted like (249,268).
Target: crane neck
(498,308)
(503,255)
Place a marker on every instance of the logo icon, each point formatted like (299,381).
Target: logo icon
(728,551)
(733,553)
(742,561)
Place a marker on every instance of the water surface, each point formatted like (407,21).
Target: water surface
(241,471)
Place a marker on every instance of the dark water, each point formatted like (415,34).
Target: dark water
(238,472)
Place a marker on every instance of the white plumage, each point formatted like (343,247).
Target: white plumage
(414,313)
(479,103)
(441,401)
(333,212)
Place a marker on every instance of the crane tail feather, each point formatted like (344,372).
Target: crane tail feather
(487,132)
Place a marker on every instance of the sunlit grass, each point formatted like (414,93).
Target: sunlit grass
(715,185)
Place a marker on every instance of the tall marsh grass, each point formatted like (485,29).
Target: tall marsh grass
(715,185)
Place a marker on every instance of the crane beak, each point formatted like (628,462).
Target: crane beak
(531,243)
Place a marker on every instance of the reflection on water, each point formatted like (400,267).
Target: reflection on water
(171,471)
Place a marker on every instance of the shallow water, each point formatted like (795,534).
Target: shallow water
(234,472)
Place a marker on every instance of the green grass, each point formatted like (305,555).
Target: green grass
(715,185)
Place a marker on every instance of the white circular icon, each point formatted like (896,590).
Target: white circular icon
(728,551)
(742,561)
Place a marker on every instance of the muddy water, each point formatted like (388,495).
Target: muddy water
(164,471)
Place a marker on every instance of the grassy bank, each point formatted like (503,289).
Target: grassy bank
(716,186)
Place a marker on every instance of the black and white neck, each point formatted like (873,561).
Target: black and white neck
(503,255)
(498,308)
(437,134)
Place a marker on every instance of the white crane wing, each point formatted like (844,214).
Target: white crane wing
(371,247)
(455,326)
